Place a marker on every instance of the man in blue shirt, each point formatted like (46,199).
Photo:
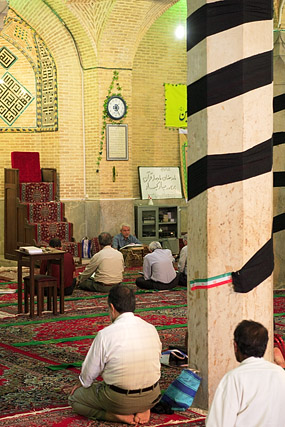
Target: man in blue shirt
(124,238)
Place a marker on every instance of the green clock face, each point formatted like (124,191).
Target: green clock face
(116,107)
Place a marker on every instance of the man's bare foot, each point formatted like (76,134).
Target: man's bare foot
(128,419)
(278,357)
(142,417)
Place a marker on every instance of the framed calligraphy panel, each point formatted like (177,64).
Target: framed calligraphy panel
(160,182)
(117,142)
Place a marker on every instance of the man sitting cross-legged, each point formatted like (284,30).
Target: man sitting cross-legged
(158,270)
(124,237)
(127,355)
(105,268)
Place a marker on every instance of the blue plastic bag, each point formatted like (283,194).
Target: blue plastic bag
(181,392)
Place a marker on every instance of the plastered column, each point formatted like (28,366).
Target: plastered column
(227,223)
(279,159)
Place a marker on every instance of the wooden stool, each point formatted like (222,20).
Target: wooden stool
(41,282)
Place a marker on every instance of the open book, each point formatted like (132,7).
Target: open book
(31,250)
(132,245)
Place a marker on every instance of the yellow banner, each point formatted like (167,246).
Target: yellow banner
(175,105)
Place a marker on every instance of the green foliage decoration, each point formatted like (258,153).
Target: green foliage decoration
(114,90)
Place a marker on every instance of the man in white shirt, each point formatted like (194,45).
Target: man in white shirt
(127,355)
(105,268)
(253,394)
(158,269)
(182,263)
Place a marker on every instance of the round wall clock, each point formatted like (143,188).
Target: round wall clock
(116,107)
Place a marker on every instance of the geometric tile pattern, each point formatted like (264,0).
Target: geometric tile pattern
(22,34)
(48,89)
(14,98)
(7,58)
(28,43)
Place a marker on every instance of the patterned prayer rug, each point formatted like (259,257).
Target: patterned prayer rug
(45,212)
(30,347)
(73,248)
(82,300)
(33,395)
(69,333)
(64,417)
(46,230)
(35,192)
(279,312)
(279,304)
(28,383)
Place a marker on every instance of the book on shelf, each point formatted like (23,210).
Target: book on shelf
(132,245)
(31,250)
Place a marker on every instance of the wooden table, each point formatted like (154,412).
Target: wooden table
(29,260)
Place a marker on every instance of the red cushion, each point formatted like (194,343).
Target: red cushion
(28,164)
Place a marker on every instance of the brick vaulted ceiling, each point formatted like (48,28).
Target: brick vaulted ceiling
(113,27)
(117,26)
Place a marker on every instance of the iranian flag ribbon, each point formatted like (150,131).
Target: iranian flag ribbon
(212,282)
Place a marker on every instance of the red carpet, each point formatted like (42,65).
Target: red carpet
(63,417)
(32,395)
(34,192)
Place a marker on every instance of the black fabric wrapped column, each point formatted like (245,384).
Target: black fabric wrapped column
(230,90)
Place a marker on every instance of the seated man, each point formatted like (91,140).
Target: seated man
(127,355)
(182,263)
(124,238)
(279,350)
(105,268)
(253,394)
(158,269)
(69,268)
(278,357)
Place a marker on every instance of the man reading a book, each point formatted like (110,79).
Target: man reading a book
(124,237)
(158,270)
(105,268)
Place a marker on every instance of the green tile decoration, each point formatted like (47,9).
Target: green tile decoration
(14,98)
(7,58)
(28,43)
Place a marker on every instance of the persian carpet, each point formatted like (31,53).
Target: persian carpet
(62,416)
(33,395)
(45,212)
(34,192)
(46,230)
